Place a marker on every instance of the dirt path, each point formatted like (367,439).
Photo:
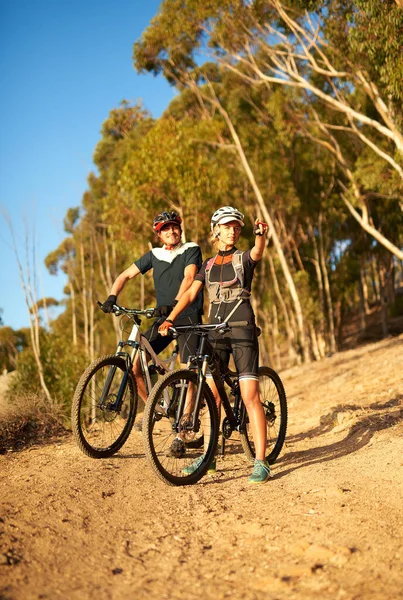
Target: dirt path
(328,526)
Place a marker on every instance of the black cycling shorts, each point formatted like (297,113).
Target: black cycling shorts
(242,343)
(188,343)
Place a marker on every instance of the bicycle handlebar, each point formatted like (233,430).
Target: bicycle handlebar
(121,310)
(220,327)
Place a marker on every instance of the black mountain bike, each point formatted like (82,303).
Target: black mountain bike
(105,400)
(192,413)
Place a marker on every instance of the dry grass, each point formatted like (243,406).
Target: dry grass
(30,419)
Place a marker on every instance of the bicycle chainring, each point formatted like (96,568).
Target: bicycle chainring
(226,428)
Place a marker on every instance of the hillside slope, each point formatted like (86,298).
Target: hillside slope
(328,525)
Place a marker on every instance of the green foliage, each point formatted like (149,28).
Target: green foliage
(308,296)
(12,343)
(186,161)
(376,36)
(62,366)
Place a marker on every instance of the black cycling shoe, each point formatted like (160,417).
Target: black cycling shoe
(177,449)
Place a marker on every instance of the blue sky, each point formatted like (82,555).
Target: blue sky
(63,67)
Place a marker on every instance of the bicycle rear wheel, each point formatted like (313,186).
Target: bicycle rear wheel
(273,398)
(162,423)
(99,427)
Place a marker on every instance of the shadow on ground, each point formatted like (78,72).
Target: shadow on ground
(359,434)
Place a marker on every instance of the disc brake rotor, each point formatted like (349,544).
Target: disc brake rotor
(186,431)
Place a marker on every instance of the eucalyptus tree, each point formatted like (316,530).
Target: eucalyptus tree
(168,46)
(326,51)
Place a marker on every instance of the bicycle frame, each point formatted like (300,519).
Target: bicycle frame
(139,345)
(207,358)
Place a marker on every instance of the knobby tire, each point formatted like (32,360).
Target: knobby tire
(158,431)
(100,433)
(275,406)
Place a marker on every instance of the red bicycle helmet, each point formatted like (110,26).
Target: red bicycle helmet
(165,218)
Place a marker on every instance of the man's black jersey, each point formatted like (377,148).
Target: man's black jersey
(168,272)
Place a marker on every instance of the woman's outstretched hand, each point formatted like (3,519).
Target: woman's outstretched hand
(164,328)
(260,227)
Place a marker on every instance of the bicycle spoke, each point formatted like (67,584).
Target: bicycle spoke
(99,425)
(167,434)
(273,399)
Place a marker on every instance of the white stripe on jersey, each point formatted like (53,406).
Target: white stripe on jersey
(169,255)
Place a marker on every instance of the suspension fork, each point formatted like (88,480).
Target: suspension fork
(111,374)
(201,381)
(109,379)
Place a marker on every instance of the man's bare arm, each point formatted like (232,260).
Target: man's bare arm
(123,278)
(188,278)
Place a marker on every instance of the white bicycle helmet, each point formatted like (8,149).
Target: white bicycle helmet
(225,214)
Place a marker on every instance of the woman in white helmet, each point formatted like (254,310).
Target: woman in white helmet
(227,278)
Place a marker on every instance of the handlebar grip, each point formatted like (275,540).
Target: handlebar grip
(238,323)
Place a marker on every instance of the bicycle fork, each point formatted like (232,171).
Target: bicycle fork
(193,423)
(115,406)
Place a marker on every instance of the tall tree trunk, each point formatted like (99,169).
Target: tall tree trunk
(316,263)
(363,323)
(263,352)
(363,293)
(291,243)
(364,285)
(266,215)
(376,288)
(339,321)
(31,302)
(73,311)
(332,340)
(384,299)
(91,302)
(105,273)
(314,341)
(84,298)
(363,219)
(284,240)
(275,335)
(268,335)
(289,330)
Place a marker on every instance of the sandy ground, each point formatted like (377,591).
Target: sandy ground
(327,526)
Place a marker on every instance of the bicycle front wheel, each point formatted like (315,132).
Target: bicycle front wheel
(104,407)
(168,428)
(274,401)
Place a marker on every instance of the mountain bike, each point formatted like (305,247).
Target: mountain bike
(192,412)
(105,400)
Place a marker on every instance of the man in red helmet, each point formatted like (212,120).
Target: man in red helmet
(174,268)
